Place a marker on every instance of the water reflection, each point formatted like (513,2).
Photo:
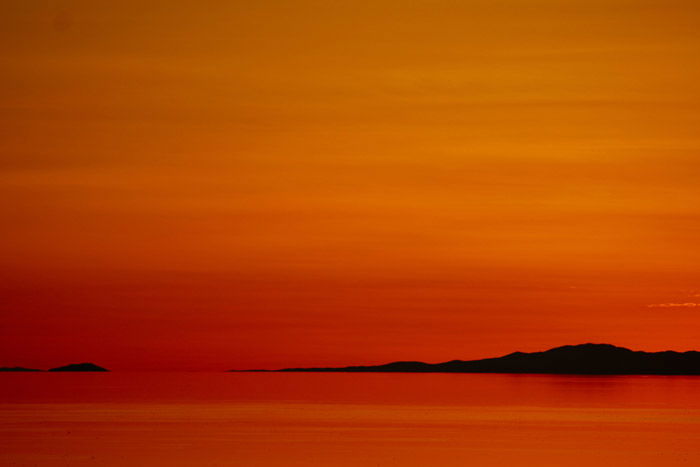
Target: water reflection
(348,419)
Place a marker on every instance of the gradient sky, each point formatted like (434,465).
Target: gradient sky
(216,184)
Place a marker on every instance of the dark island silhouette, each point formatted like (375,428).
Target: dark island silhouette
(586,359)
(79,367)
(17,368)
(71,367)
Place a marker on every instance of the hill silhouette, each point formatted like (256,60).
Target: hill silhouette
(17,368)
(79,367)
(603,359)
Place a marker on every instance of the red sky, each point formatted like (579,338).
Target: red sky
(213,185)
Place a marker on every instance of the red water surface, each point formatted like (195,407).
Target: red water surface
(262,419)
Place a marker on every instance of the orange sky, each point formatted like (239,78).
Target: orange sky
(212,185)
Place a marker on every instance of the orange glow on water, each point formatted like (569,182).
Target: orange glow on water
(348,420)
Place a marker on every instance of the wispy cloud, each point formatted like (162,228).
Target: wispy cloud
(674,305)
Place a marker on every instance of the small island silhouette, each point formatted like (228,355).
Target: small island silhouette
(71,367)
(588,359)
(17,368)
(79,367)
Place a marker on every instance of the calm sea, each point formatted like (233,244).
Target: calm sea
(305,419)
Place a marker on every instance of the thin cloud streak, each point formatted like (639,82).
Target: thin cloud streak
(674,305)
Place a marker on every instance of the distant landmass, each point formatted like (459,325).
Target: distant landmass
(17,368)
(71,367)
(588,359)
(79,367)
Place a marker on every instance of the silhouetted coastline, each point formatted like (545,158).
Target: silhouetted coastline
(84,367)
(588,359)
(79,367)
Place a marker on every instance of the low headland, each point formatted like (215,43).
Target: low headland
(585,359)
(81,367)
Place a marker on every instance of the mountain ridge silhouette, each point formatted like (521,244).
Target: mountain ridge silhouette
(589,358)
